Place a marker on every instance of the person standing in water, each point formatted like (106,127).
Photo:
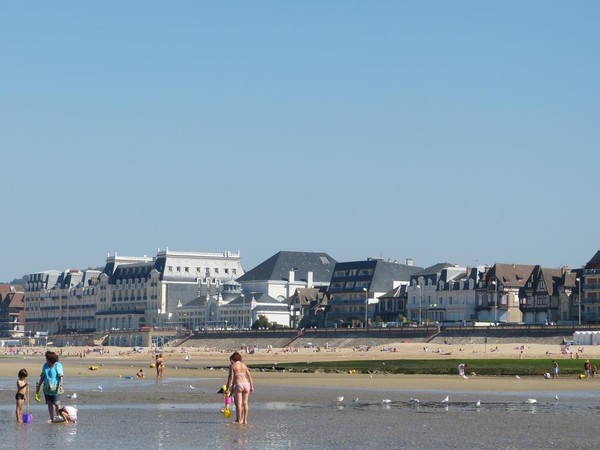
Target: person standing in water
(160,365)
(52,379)
(21,395)
(241,385)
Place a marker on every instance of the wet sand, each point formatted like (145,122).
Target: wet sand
(211,365)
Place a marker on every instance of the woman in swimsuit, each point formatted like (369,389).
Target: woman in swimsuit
(160,365)
(240,384)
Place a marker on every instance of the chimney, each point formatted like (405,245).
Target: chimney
(409,262)
(309,279)
(292,276)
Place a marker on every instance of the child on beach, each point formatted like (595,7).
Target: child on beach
(21,395)
(68,414)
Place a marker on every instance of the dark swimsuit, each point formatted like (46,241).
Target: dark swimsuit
(19,396)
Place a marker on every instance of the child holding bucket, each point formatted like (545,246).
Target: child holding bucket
(21,395)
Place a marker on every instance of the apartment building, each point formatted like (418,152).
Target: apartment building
(356,286)
(60,301)
(443,292)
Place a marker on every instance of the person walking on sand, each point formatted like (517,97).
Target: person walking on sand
(554,369)
(461,369)
(160,365)
(586,368)
(239,382)
(52,379)
(21,395)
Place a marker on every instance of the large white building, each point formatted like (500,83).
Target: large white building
(130,292)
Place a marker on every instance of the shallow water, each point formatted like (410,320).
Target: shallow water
(302,418)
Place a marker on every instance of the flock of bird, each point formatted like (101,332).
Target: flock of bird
(386,401)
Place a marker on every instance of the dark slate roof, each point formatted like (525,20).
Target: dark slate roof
(387,272)
(384,273)
(432,273)
(394,293)
(278,266)
(594,263)
(137,270)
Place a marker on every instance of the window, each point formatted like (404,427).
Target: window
(216,270)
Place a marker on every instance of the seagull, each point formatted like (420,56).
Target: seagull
(478,403)
(465,377)
(415,400)
(386,400)
(355,400)
(531,401)
(517,377)
(556,397)
(447,399)
(340,399)
(72,396)
(192,387)
(100,388)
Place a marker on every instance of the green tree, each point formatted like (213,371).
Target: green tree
(261,322)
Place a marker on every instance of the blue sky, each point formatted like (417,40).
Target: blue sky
(462,131)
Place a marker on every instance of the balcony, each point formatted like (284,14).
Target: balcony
(591,317)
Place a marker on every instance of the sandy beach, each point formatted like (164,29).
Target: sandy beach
(117,362)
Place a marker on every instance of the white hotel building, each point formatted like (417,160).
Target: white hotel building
(130,292)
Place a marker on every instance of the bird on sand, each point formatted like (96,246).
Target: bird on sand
(386,400)
(355,400)
(192,387)
(100,388)
(415,400)
(517,377)
(339,399)
(556,397)
(478,403)
(72,396)
(531,401)
(447,399)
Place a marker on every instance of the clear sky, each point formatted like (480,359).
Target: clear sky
(443,131)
